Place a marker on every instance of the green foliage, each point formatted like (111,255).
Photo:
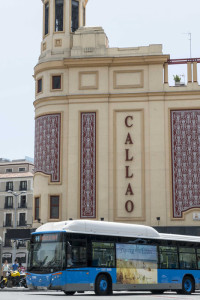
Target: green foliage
(177,78)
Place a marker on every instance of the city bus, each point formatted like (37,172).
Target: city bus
(82,255)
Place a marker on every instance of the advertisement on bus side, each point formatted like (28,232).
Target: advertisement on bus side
(136,264)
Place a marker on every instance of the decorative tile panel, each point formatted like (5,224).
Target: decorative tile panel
(88,166)
(185,128)
(47,145)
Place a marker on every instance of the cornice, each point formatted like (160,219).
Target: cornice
(150,96)
(100,62)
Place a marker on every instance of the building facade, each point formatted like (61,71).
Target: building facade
(16,203)
(113,140)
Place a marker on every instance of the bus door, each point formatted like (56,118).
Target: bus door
(77,271)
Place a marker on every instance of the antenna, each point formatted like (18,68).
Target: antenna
(190,39)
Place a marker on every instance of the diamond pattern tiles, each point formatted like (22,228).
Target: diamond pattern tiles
(185,128)
(47,145)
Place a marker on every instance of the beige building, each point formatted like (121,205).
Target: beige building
(16,200)
(112,139)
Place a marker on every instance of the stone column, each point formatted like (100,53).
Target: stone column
(166,73)
(195,72)
(189,71)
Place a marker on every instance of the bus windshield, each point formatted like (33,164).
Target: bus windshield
(47,253)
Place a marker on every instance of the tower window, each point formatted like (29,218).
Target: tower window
(56,82)
(39,85)
(83,15)
(59,15)
(75,15)
(46,26)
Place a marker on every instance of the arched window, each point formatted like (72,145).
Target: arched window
(59,4)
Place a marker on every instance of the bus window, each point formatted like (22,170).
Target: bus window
(187,257)
(168,257)
(103,254)
(198,258)
(77,253)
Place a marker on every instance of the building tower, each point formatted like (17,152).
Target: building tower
(105,143)
(61,18)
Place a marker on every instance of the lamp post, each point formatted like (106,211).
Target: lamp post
(16,195)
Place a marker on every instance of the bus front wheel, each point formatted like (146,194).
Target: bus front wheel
(102,285)
(188,285)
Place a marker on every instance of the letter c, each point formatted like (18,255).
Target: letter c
(126,121)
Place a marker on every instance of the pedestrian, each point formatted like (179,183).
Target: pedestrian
(5,268)
(21,269)
(15,265)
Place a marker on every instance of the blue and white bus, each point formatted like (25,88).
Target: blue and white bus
(77,256)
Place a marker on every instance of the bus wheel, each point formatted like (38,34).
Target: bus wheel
(102,285)
(188,285)
(69,293)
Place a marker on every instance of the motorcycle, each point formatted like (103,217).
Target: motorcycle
(13,279)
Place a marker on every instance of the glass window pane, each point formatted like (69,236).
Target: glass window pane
(37,208)
(103,254)
(46,31)
(187,250)
(75,15)
(54,207)
(187,261)
(77,253)
(56,82)
(198,258)
(58,15)
(39,86)
(168,257)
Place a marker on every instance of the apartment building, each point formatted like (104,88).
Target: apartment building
(16,197)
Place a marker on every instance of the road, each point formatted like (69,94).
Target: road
(20,294)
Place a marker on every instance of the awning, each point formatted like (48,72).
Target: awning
(19,234)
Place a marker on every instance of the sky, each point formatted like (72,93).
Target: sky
(127,23)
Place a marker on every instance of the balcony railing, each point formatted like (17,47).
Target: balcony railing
(21,223)
(22,205)
(7,206)
(7,224)
(23,188)
(9,188)
(191,68)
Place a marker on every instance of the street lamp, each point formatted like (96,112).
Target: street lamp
(16,195)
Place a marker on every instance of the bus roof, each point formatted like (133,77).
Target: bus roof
(113,229)
(100,227)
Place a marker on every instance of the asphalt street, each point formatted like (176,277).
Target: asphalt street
(21,294)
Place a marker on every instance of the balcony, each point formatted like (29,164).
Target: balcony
(21,223)
(7,206)
(7,224)
(192,72)
(9,188)
(22,205)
